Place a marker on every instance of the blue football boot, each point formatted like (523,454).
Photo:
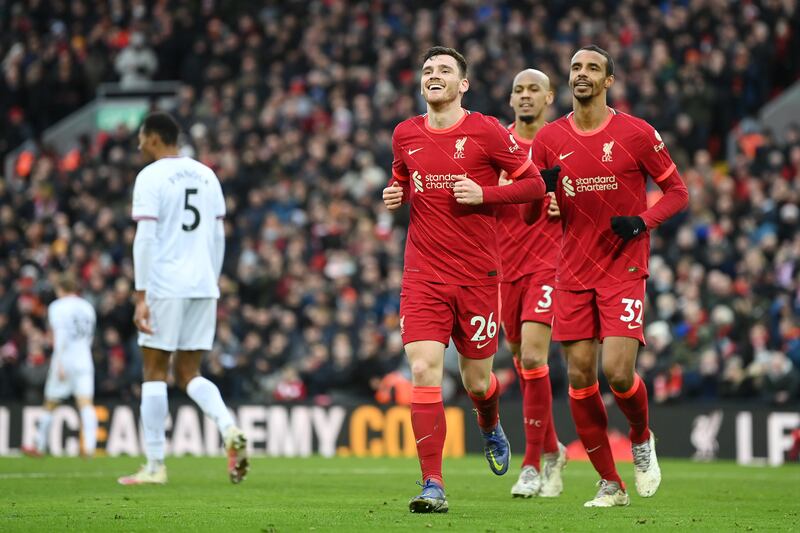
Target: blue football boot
(497,449)
(430,500)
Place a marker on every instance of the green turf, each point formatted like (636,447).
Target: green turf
(350,494)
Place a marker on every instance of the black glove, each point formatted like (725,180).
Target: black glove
(628,227)
(550,177)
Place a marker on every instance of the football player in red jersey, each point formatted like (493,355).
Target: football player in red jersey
(446,165)
(605,158)
(528,255)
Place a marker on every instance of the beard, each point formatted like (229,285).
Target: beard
(527,119)
(583,98)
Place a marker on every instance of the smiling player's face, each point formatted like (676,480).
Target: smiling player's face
(441,81)
(530,95)
(587,75)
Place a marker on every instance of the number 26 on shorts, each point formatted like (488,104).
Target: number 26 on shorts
(489,326)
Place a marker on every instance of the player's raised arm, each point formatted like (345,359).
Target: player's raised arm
(396,193)
(655,159)
(507,154)
(532,210)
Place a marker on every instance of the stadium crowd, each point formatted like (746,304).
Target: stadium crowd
(293,105)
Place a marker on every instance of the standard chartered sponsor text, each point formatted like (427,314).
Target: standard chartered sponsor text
(442,181)
(596,183)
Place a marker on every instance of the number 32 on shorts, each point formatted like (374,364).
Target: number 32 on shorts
(487,326)
(633,313)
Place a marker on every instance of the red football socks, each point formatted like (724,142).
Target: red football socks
(518,368)
(537,412)
(430,429)
(591,423)
(488,405)
(550,437)
(633,403)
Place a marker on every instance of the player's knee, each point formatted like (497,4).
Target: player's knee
(476,385)
(619,379)
(580,378)
(182,379)
(533,356)
(422,372)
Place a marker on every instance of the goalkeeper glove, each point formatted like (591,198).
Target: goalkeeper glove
(550,177)
(628,227)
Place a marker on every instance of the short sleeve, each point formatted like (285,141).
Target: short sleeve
(219,209)
(653,155)
(399,169)
(145,198)
(504,151)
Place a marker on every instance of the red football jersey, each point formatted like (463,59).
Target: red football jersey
(603,174)
(526,249)
(449,242)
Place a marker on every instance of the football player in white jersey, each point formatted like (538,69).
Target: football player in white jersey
(72,320)
(177,253)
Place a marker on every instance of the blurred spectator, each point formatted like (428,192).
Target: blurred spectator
(781,379)
(136,64)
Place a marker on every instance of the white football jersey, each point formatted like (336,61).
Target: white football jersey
(185,199)
(72,320)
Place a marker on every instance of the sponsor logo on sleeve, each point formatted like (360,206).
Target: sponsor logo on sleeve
(660,146)
(514,146)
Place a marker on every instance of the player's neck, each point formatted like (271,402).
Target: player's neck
(443,118)
(167,151)
(528,131)
(590,115)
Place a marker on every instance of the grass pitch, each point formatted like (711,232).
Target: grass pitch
(351,494)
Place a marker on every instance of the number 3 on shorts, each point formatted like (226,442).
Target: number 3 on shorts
(483,324)
(630,306)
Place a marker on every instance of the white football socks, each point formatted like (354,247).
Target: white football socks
(154,412)
(89,426)
(43,431)
(206,395)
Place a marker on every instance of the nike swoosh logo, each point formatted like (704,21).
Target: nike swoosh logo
(561,157)
(634,326)
(593,449)
(414,151)
(484,344)
(497,465)
(539,310)
(423,438)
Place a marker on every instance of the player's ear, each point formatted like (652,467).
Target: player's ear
(463,86)
(609,81)
(548,99)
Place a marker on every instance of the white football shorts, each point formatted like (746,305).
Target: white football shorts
(75,383)
(181,324)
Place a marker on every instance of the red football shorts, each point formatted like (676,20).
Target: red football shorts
(615,311)
(437,312)
(527,299)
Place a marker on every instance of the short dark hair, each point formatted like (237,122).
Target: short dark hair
(446,51)
(609,61)
(163,125)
